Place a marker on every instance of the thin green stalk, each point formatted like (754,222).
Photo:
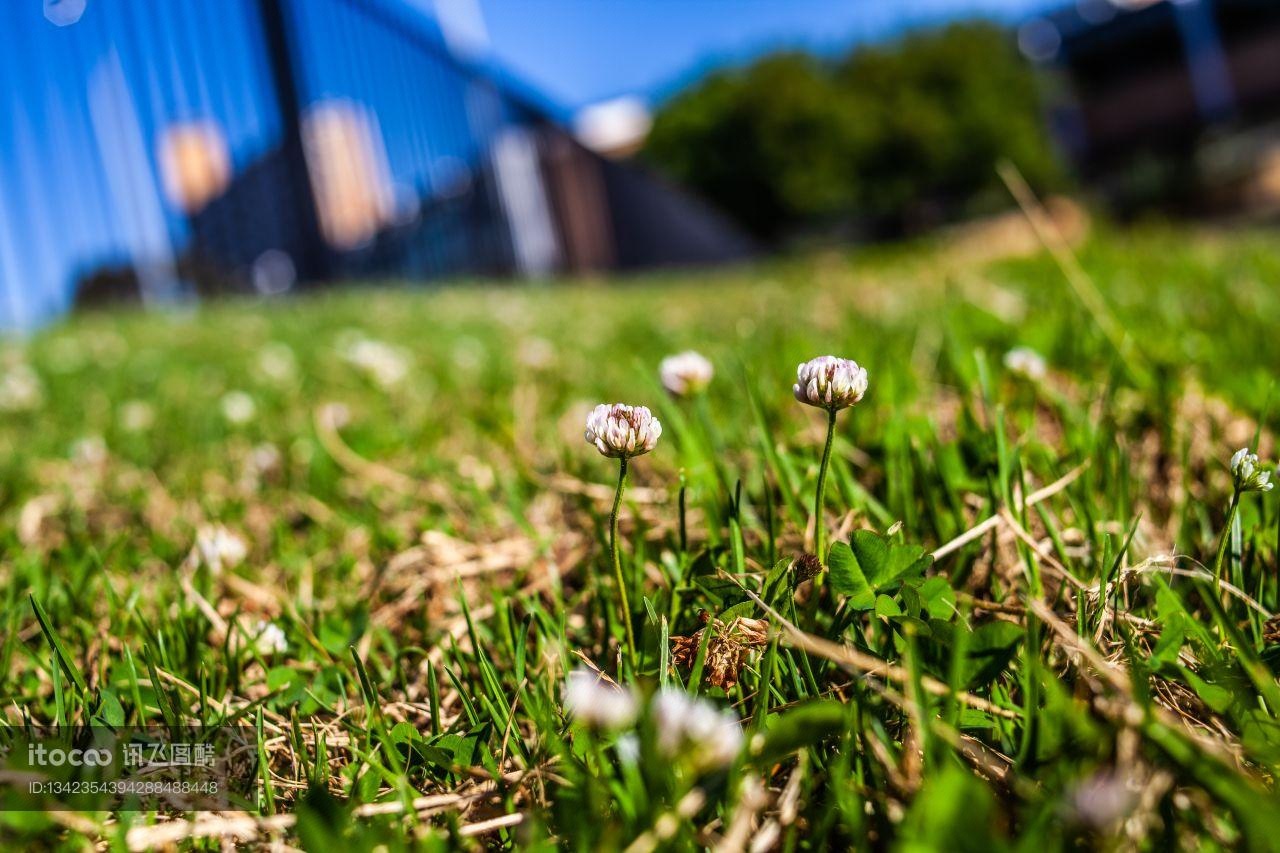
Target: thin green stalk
(617,562)
(818,527)
(710,439)
(1226,538)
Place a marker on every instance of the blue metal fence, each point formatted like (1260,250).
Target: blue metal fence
(163,149)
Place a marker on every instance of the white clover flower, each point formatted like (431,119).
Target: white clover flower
(588,697)
(137,416)
(268,638)
(830,383)
(1026,362)
(1246,473)
(384,364)
(219,548)
(619,430)
(695,728)
(20,389)
(238,407)
(686,373)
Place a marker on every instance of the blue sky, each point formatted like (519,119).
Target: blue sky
(580,51)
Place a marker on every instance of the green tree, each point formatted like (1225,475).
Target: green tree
(770,144)
(943,107)
(892,136)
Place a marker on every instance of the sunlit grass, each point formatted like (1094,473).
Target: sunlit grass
(427,554)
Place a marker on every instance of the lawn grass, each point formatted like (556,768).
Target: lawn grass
(427,527)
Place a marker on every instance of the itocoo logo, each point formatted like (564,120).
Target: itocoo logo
(40,755)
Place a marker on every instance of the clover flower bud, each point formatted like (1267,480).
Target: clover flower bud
(686,373)
(620,431)
(696,729)
(593,700)
(1026,362)
(830,383)
(1247,475)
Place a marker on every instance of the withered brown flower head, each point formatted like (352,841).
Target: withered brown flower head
(728,649)
(806,566)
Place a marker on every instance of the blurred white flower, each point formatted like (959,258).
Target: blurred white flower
(106,348)
(137,416)
(264,458)
(469,353)
(1027,363)
(588,697)
(277,362)
(1246,473)
(90,450)
(238,407)
(830,383)
(686,373)
(65,355)
(218,548)
(335,415)
(20,388)
(628,747)
(383,363)
(1101,800)
(694,728)
(269,639)
(619,430)
(477,472)
(536,353)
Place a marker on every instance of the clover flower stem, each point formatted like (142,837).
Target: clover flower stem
(805,667)
(617,562)
(818,530)
(1220,557)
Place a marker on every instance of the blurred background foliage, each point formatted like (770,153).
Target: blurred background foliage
(888,140)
